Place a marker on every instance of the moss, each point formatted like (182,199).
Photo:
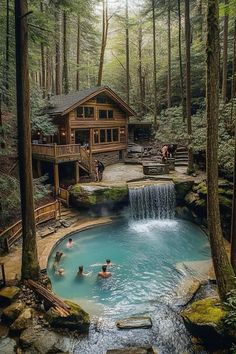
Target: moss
(205,311)
(225,202)
(116,193)
(182,188)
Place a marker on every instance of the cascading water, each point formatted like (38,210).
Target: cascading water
(152,201)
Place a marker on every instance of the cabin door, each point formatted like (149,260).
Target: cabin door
(82,137)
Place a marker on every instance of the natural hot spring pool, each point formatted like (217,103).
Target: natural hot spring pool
(145,254)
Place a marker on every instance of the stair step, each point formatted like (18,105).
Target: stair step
(181,164)
(181,160)
(182,148)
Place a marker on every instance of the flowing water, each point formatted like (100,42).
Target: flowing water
(145,274)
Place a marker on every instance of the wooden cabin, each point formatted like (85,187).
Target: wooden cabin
(91,124)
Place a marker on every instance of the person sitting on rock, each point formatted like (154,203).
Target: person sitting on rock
(104,273)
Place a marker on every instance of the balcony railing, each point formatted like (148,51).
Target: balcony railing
(54,150)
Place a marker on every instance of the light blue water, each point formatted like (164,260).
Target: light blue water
(145,254)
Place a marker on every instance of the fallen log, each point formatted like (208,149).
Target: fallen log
(49,297)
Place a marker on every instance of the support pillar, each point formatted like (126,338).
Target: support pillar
(56,178)
(76,171)
(90,151)
(39,169)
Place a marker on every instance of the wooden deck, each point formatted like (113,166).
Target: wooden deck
(57,153)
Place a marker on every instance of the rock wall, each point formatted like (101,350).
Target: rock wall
(191,203)
(110,157)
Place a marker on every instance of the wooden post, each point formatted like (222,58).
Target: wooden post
(76,171)
(90,150)
(3,274)
(39,170)
(55,149)
(56,178)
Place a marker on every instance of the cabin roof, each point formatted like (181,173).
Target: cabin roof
(63,104)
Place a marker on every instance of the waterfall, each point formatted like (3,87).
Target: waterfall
(152,201)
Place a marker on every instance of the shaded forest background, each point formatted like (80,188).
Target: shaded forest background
(136,48)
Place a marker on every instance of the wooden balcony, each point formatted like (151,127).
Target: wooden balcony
(56,153)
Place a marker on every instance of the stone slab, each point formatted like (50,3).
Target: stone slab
(133,350)
(153,168)
(134,322)
(9,294)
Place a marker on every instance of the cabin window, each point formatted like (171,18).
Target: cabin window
(102,136)
(80,112)
(96,136)
(85,112)
(104,99)
(108,135)
(104,113)
(88,112)
(115,135)
(110,114)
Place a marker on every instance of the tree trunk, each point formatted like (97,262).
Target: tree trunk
(183,101)
(225,56)
(223,270)
(140,76)
(65,74)
(105,24)
(188,86)
(30,265)
(78,56)
(233,81)
(200,12)
(43,66)
(57,53)
(233,220)
(169,59)
(127,50)
(7,53)
(154,64)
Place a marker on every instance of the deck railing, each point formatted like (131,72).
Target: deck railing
(54,150)
(63,195)
(12,234)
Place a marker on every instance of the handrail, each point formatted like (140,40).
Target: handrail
(55,150)
(44,213)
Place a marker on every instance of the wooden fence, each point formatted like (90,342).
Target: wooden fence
(9,236)
(55,150)
(63,196)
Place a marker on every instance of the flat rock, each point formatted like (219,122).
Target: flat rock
(23,321)
(133,350)
(134,322)
(4,330)
(33,339)
(7,346)
(9,294)
(11,312)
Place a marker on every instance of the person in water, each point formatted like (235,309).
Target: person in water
(104,273)
(81,272)
(60,272)
(108,263)
(57,260)
(69,243)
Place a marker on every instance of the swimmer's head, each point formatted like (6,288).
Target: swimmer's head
(81,268)
(104,268)
(108,261)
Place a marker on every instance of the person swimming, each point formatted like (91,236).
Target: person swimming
(69,243)
(60,272)
(104,273)
(57,260)
(81,272)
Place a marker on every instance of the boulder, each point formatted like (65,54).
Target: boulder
(182,188)
(78,319)
(11,312)
(133,350)
(4,330)
(204,319)
(7,346)
(9,294)
(23,321)
(134,322)
(44,341)
(88,196)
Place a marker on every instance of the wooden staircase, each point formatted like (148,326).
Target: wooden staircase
(181,156)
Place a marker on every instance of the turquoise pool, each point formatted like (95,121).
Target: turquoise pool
(145,254)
